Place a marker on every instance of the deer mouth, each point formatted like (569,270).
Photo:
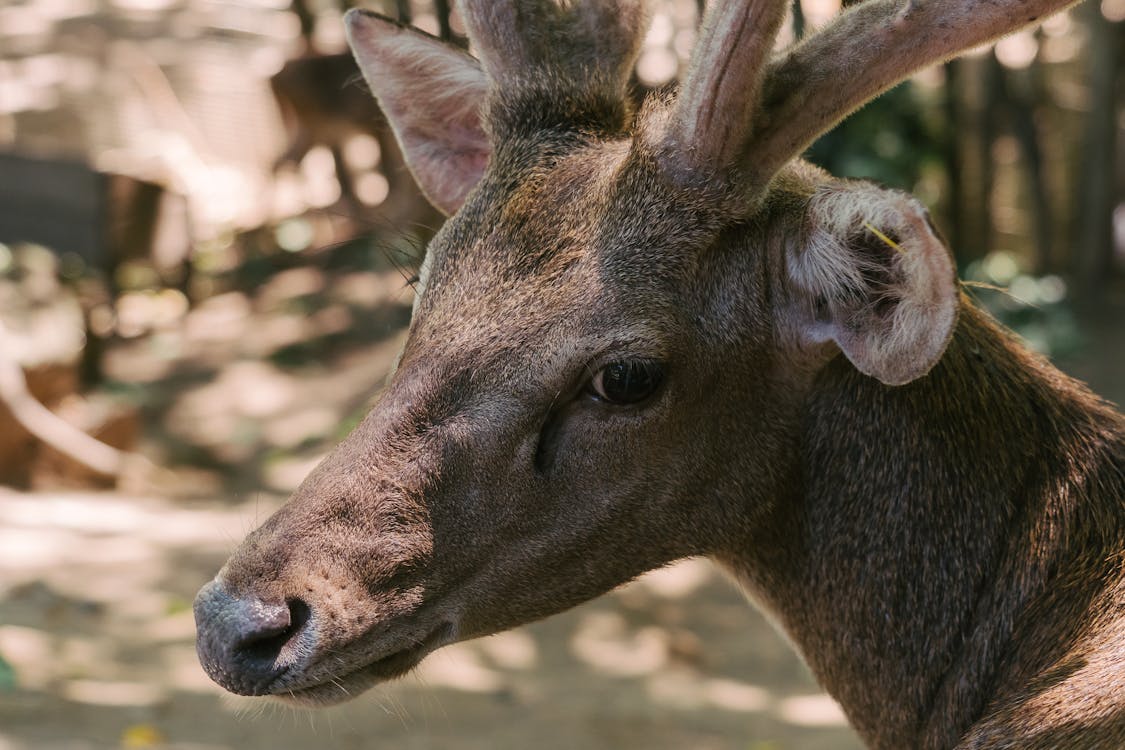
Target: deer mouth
(287,648)
(337,688)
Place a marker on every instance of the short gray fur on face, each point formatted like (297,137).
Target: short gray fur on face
(824,394)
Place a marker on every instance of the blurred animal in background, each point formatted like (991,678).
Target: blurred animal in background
(324,101)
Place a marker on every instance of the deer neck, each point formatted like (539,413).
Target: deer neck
(928,518)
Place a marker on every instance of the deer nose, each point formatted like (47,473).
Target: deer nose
(245,644)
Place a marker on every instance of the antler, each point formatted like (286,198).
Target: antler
(867,50)
(713,113)
(740,116)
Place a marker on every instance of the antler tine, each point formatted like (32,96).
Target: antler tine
(866,51)
(712,115)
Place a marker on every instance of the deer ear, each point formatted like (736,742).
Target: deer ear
(872,275)
(431,93)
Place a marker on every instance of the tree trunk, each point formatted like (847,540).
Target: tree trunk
(1093,254)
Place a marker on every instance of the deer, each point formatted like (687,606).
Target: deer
(645,334)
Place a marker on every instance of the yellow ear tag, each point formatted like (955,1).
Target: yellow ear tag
(887,240)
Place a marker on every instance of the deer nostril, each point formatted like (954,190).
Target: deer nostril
(245,643)
(273,632)
(299,614)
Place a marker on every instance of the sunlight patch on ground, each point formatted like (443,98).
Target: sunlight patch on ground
(736,696)
(105,693)
(604,643)
(182,670)
(293,429)
(459,666)
(131,595)
(285,474)
(675,688)
(70,526)
(28,549)
(514,649)
(41,658)
(687,690)
(811,711)
(31,652)
(679,580)
(176,627)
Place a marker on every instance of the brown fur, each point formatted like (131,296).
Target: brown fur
(947,554)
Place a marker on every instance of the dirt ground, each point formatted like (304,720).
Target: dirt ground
(97,626)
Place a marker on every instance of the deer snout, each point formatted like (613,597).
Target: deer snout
(244,643)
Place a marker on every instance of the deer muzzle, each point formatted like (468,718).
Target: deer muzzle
(290,650)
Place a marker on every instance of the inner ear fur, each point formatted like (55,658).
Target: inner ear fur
(871,274)
(431,93)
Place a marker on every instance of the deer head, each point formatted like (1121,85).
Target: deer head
(613,332)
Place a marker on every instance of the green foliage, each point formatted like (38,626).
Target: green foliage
(887,141)
(1035,307)
(177,605)
(7,676)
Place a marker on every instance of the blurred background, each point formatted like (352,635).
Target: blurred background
(206,238)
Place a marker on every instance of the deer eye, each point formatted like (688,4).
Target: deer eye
(627,382)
